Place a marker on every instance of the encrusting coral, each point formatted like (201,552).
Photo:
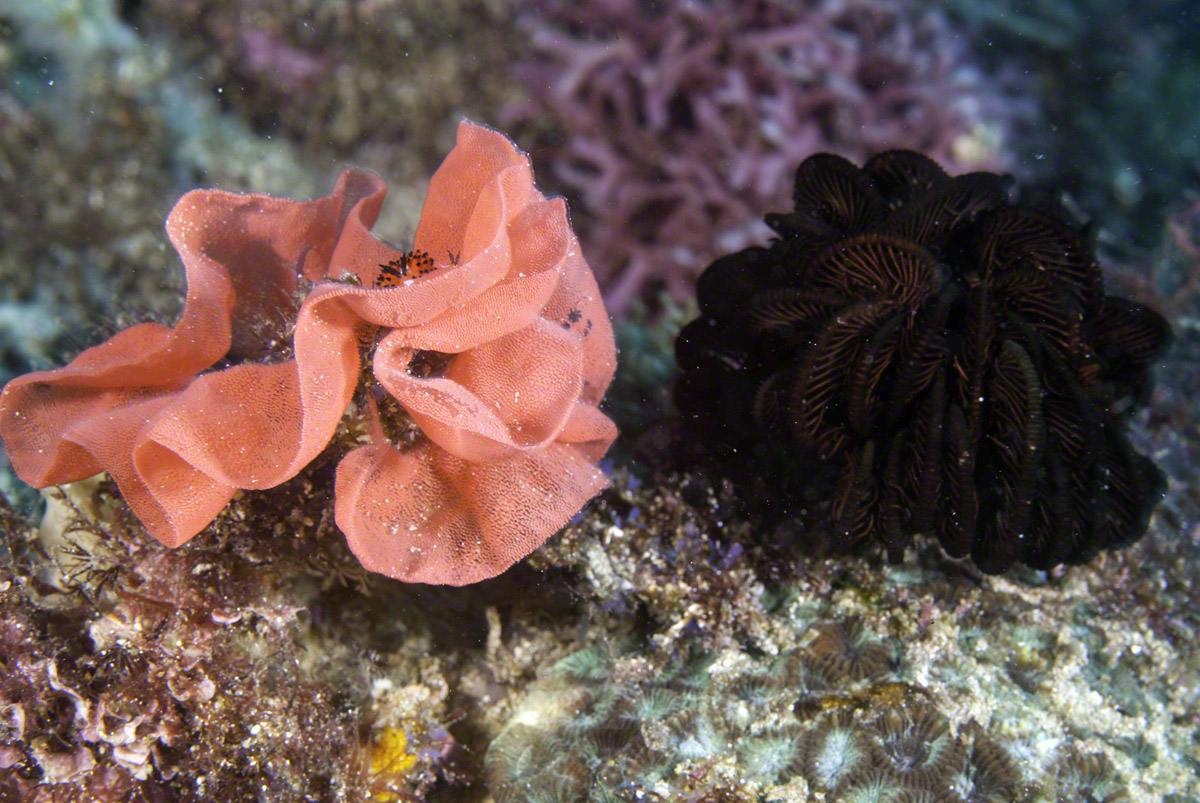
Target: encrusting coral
(944,361)
(597,722)
(489,350)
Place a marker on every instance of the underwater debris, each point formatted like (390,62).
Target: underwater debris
(251,383)
(943,361)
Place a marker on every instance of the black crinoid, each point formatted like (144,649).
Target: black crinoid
(947,361)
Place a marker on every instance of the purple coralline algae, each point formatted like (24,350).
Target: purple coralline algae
(671,124)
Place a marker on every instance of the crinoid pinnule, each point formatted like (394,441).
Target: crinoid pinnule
(951,361)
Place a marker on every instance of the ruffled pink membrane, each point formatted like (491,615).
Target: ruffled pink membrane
(182,417)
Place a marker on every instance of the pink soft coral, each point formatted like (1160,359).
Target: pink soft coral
(504,307)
